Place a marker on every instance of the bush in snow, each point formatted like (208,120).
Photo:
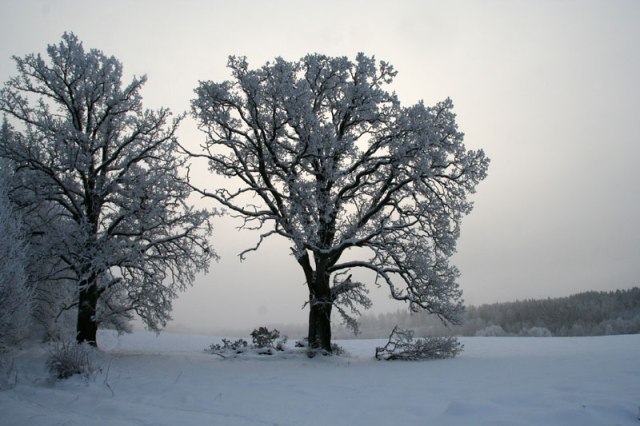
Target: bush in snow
(402,346)
(265,342)
(70,358)
(238,346)
(335,349)
(263,338)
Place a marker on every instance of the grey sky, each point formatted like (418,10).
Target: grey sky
(549,89)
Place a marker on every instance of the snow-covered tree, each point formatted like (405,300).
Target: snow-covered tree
(100,177)
(54,290)
(321,154)
(53,293)
(15,293)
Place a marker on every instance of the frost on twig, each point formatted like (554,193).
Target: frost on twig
(402,346)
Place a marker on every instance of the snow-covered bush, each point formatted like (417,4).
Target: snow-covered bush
(263,338)
(227,346)
(265,342)
(402,346)
(336,349)
(70,358)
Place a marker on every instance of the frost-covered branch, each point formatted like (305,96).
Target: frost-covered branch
(403,346)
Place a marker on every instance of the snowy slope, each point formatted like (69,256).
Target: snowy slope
(169,380)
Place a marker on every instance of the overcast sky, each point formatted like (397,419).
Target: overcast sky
(549,89)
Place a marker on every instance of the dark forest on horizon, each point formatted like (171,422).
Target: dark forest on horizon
(591,313)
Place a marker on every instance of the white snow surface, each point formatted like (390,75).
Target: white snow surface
(168,379)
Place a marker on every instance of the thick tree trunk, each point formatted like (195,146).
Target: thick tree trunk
(87,327)
(320,313)
(320,326)
(320,302)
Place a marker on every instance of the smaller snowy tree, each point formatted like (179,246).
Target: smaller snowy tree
(99,180)
(15,294)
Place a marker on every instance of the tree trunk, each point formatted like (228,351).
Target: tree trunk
(87,327)
(320,302)
(320,313)
(320,326)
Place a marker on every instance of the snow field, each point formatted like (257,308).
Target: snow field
(169,380)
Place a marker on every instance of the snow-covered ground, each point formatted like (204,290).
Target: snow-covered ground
(169,380)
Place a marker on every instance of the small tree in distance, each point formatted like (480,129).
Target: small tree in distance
(98,179)
(321,154)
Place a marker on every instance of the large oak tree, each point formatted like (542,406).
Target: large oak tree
(320,153)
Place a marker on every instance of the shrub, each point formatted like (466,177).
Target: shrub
(280,344)
(68,359)
(402,346)
(263,338)
(238,346)
(265,342)
(336,350)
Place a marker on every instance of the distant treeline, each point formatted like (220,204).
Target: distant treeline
(585,314)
